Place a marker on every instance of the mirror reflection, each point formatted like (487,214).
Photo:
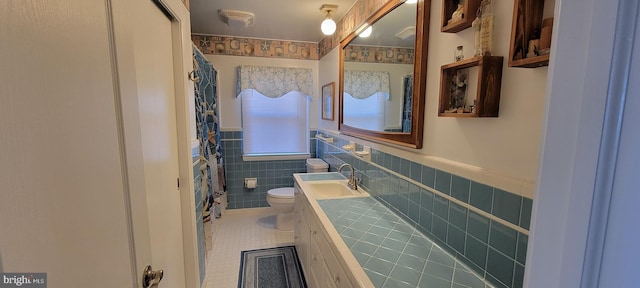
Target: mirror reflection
(378,74)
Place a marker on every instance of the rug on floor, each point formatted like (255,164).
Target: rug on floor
(271,267)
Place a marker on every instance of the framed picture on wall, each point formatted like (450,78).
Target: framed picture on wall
(328,92)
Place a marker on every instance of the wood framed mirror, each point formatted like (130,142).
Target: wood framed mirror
(383,76)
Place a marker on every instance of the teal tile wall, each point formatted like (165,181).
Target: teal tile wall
(493,250)
(270,174)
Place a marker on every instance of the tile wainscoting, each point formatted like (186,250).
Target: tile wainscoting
(271,174)
(484,227)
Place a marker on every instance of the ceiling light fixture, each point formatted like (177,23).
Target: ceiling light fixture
(366,33)
(328,26)
(411,1)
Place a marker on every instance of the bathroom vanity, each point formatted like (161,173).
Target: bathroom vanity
(346,238)
(325,258)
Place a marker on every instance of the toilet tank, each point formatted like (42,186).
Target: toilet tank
(316,165)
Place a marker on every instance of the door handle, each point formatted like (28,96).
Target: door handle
(150,277)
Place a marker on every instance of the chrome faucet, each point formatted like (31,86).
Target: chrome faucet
(353,182)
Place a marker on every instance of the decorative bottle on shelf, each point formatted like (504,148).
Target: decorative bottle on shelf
(486,27)
(458,54)
(477,51)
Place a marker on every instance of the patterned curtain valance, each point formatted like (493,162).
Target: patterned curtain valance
(274,81)
(364,84)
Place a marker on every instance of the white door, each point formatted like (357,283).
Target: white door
(76,169)
(156,99)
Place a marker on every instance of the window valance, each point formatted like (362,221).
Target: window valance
(364,84)
(274,81)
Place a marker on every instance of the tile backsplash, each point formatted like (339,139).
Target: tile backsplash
(485,227)
(270,174)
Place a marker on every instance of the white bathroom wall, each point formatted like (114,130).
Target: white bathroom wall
(501,151)
(230,109)
(328,70)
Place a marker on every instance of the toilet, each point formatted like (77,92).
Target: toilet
(282,199)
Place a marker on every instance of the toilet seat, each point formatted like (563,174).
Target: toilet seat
(281,193)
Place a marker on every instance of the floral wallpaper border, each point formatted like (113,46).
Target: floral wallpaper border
(238,46)
(390,55)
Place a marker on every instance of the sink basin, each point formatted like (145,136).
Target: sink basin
(329,190)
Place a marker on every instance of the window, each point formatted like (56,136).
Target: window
(275,128)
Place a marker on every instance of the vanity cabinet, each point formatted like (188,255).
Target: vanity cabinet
(319,261)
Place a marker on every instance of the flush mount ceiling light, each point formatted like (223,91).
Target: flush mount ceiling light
(366,32)
(411,1)
(235,18)
(328,26)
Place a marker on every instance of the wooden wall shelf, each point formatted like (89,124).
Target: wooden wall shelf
(527,22)
(487,97)
(470,8)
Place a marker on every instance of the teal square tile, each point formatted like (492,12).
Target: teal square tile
(372,238)
(430,281)
(395,163)
(387,254)
(506,206)
(361,257)
(503,239)
(414,212)
(441,207)
(364,247)
(456,239)
(387,160)
(518,276)
(412,262)
(393,244)
(380,231)
(494,281)
(438,255)
(460,188)
(464,278)
(458,216)
(521,249)
(443,182)
(349,241)
(439,228)
(476,251)
(414,193)
(525,214)
(379,266)
(481,196)
(438,270)
(478,226)
(428,176)
(500,266)
(405,167)
(418,239)
(376,278)
(393,283)
(426,199)
(426,218)
(406,275)
(417,251)
(416,171)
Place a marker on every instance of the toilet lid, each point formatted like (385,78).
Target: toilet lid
(285,192)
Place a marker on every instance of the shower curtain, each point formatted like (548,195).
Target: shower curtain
(208,131)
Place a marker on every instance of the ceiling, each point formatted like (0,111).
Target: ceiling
(297,20)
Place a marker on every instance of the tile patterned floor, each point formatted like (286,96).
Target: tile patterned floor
(238,230)
(392,253)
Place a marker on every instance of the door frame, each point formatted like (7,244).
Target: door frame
(121,22)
